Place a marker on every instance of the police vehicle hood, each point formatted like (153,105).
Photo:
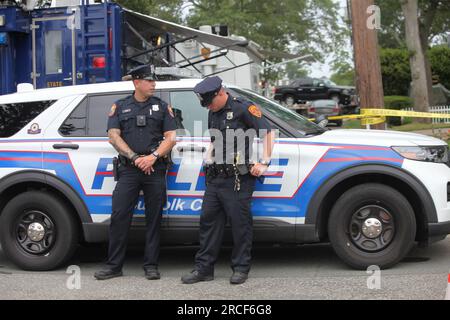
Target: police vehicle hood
(376,138)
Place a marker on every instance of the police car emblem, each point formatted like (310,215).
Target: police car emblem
(155,107)
(34,129)
(229,115)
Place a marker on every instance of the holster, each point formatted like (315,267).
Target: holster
(243,169)
(167,160)
(116,168)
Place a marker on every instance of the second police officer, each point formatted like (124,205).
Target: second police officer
(141,127)
(230,179)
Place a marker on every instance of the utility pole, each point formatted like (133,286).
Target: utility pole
(365,22)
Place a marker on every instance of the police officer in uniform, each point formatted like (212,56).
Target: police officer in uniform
(141,128)
(230,179)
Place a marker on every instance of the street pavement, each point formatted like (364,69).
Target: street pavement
(297,272)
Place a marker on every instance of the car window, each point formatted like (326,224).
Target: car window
(90,117)
(190,116)
(98,110)
(318,82)
(305,82)
(75,124)
(15,116)
(330,83)
(295,120)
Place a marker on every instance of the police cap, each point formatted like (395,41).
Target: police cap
(145,72)
(208,89)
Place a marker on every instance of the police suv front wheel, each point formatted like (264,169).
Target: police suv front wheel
(37,231)
(372,224)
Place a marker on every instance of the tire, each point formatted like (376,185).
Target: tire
(38,232)
(289,100)
(362,206)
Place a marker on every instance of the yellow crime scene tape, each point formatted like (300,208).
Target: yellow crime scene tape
(376,116)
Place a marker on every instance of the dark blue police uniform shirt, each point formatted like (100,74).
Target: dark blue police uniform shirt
(237,114)
(142,140)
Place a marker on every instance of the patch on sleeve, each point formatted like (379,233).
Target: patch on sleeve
(254,110)
(169,108)
(113,110)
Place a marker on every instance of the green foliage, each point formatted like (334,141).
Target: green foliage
(395,71)
(396,103)
(169,10)
(440,64)
(294,70)
(434,21)
(299,26)
(344,74)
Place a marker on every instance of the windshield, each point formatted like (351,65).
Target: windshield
(303,125)
(329,83)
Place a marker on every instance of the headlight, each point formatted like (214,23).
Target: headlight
(345,91)
(437,154)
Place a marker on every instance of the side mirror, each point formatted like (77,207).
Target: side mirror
(321,121)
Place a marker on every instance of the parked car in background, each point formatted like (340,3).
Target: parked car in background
(328,108)
(311,89)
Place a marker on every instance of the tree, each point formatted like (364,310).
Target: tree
(395,71)
(420,69)
(433,16)
(344,74)
(170,10)
(312,26)
(294,70)
(440,64)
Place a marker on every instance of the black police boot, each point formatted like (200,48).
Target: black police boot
(152,274)
(238,277)
(107,274)
(195,276)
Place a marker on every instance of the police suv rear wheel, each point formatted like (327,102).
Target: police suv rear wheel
(372,224)
(37,231)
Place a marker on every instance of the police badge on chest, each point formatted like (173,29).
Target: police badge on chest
(230,115)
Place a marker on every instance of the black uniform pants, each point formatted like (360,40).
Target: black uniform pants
(220,202)
(124,199)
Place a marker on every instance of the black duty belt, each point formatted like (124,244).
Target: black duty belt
(220,170)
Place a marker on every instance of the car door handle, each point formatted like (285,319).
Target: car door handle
(66,146)
(192,148)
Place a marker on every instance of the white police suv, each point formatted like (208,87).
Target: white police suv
(372,194)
